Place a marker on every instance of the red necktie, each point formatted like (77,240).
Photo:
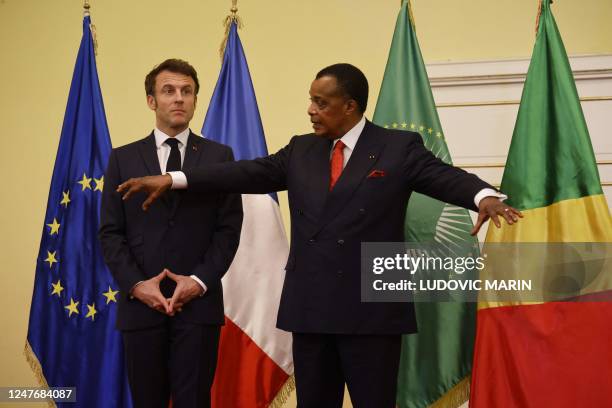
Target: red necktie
(337,163)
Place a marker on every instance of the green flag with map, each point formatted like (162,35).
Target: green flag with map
(436,362)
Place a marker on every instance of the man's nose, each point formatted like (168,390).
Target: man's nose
(311,110)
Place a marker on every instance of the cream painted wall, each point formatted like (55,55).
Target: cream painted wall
(285,42)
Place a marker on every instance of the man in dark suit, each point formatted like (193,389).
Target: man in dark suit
(169,261)
(348,183)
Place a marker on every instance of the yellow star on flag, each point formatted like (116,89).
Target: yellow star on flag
(430,130)
(57,288)
(72,307)
(421,128)
(404,125)
(91,311)
(54,227)
(412,126)
(110,295)
(439,134)
(51,258)
(85,182)
(99,183)
(65,198)
(394,125)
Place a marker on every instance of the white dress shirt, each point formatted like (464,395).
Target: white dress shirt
(163,150)
(179,181)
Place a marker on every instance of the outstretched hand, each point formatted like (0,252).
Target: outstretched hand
(154,185)
(493,207)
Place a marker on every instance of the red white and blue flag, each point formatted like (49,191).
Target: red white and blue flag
(255,364)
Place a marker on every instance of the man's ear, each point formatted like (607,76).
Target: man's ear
(351,106)
(151,102)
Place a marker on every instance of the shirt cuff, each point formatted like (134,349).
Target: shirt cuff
(195,278)
(488,192)
(134,287)
(179,180)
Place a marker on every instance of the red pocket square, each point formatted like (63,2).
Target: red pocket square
(376,174)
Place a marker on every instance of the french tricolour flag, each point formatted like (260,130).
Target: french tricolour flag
(255,364)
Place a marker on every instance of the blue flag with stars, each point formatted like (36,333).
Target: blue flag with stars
(72,341)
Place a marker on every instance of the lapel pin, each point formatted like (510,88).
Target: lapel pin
(195,148)
(372,156)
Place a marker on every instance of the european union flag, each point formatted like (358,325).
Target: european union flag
(72,341)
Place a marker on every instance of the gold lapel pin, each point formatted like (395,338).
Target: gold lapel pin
(195,148)
(372,156)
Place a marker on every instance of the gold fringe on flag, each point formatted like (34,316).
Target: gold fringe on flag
(539,14)
(538,17)
(227,22)
(92,27)
(94,37)
(456,396)
(283,395)
(37,369)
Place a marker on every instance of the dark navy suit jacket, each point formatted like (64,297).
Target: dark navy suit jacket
(186,232)
(321,292)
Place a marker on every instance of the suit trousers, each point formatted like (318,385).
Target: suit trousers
(368,364)
(174,360)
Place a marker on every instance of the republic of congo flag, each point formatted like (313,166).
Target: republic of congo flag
(555,354)
(436,362)
(255,364)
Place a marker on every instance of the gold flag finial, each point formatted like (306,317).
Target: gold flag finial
(227,22)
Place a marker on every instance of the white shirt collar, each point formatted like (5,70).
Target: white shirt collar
(160,137)
(351,137)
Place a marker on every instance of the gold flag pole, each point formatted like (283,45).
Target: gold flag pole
(227,22)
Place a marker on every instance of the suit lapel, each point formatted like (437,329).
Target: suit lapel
(192,151)
(148,152)
(318,172)
(362,159)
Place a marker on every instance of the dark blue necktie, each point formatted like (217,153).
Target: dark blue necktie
(174,160)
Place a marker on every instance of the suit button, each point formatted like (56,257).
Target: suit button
(171,223)
(312,241)
(340,272)
(340,242)
(362,211)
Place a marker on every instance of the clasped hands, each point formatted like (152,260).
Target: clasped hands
(186,290)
